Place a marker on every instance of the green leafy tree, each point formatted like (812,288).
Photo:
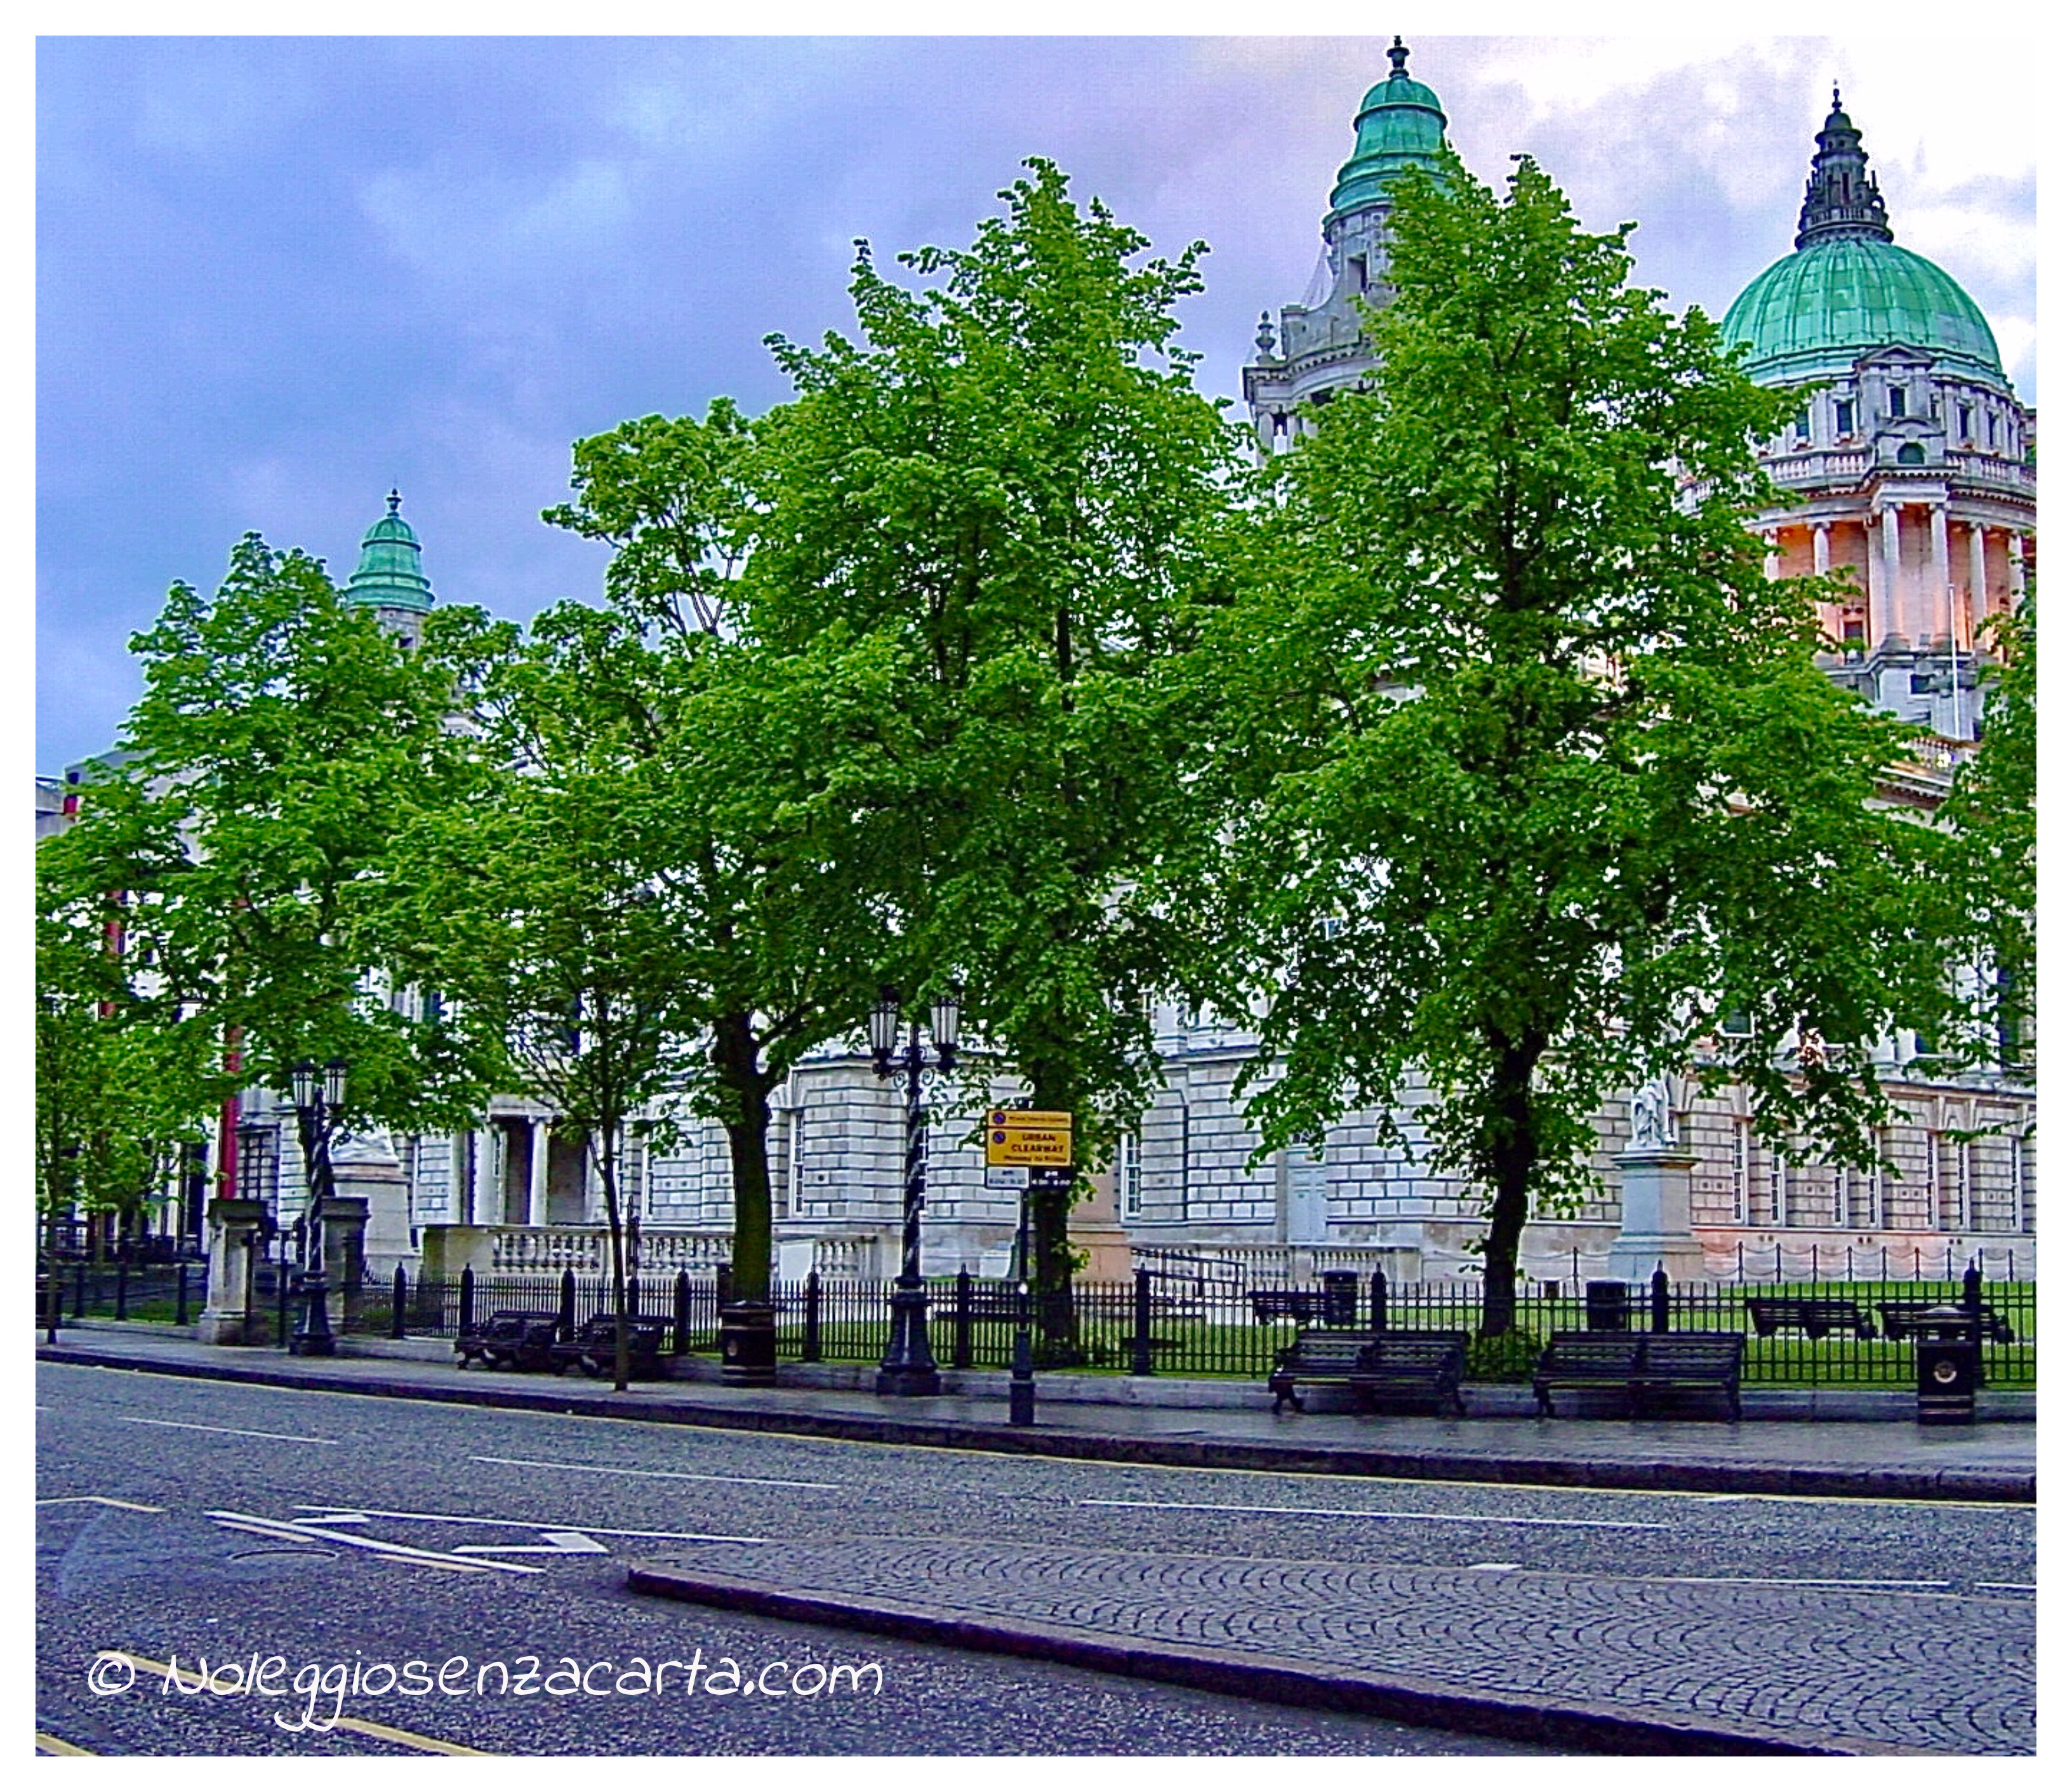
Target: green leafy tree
(635,903)
(281,735)
(1991,816)
(120,1089)
(1010,484)
(1535,778)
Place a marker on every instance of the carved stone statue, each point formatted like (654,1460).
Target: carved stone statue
(1654,1118)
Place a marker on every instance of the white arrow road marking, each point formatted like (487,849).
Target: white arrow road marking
(101,1499)
(657,1474)
(298,1529)
(542,1526)
(558,1543)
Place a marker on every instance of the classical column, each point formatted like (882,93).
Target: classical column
(1943,606)
(1769,561)
(2017,565)
(487,1203)
(460,1182)
(1820,561)
(535,1192)
(1978,603)
(1886,615)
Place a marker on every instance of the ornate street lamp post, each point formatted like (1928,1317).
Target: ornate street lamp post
(317,1098)
(909,1366)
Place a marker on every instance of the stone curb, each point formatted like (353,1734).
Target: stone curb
(1971,1485)
(1573,1726)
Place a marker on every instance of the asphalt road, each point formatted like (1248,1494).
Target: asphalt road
(164,1505)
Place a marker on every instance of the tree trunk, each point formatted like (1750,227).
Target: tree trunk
(1050,1218)
(748,1151)
(1515,1149)
(602,1143)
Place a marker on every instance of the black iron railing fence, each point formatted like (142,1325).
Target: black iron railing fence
(1800,1333)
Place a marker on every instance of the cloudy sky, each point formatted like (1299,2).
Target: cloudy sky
(276,276)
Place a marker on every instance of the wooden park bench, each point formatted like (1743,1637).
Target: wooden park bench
(1375,1365)
(594,1348)
(1908,1319)
(509,1339)
(1413,1366)
(1639,1364)
(1770,1313)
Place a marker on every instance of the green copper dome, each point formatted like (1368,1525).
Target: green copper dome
(388,575)
(1400,126)
(1847,289)
(1824,306)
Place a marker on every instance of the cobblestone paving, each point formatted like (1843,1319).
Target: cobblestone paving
(1947,1673)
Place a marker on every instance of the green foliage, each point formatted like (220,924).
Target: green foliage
(1991,817)
(1010,489)
(1532,775)
(640,902)
(281,736)
(1511,1356)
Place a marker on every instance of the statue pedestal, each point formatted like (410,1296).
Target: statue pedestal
(1654,1218)
(363,1169)
(1094,1228)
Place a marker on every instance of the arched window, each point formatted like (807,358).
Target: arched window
(1913,454)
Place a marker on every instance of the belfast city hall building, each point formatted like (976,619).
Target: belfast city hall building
(1910,462)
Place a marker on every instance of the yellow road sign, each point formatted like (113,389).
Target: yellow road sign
(1027,1144)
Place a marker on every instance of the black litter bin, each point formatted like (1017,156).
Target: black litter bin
(1948,1367)
(1340,1297)
(1605,1306)
(748,1343)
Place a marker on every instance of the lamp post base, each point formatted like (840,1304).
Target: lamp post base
(1021,1382)
(313,1336)
(909,1366)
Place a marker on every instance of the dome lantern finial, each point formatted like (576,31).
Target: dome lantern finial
(1398,60)
(390,576)
(1842,197)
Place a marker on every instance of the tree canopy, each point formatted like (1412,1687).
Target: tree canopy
(1536,780)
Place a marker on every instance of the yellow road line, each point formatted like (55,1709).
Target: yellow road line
(360,1726)
(54,1746)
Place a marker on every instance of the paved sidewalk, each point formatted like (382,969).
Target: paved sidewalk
(1885,1460)
(1626,1666)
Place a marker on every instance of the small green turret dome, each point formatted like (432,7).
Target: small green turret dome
(1400,126)
(388,576)
(1847,289)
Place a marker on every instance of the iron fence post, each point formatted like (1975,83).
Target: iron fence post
(399,1294)
(1140,1339)
(722,1286)
(564,1315)
(1377,1302)
(467,1319)
(281,1281)
(1657,1293)
(809,1343)
(960,1323)
(682,1342)
(180,1295)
